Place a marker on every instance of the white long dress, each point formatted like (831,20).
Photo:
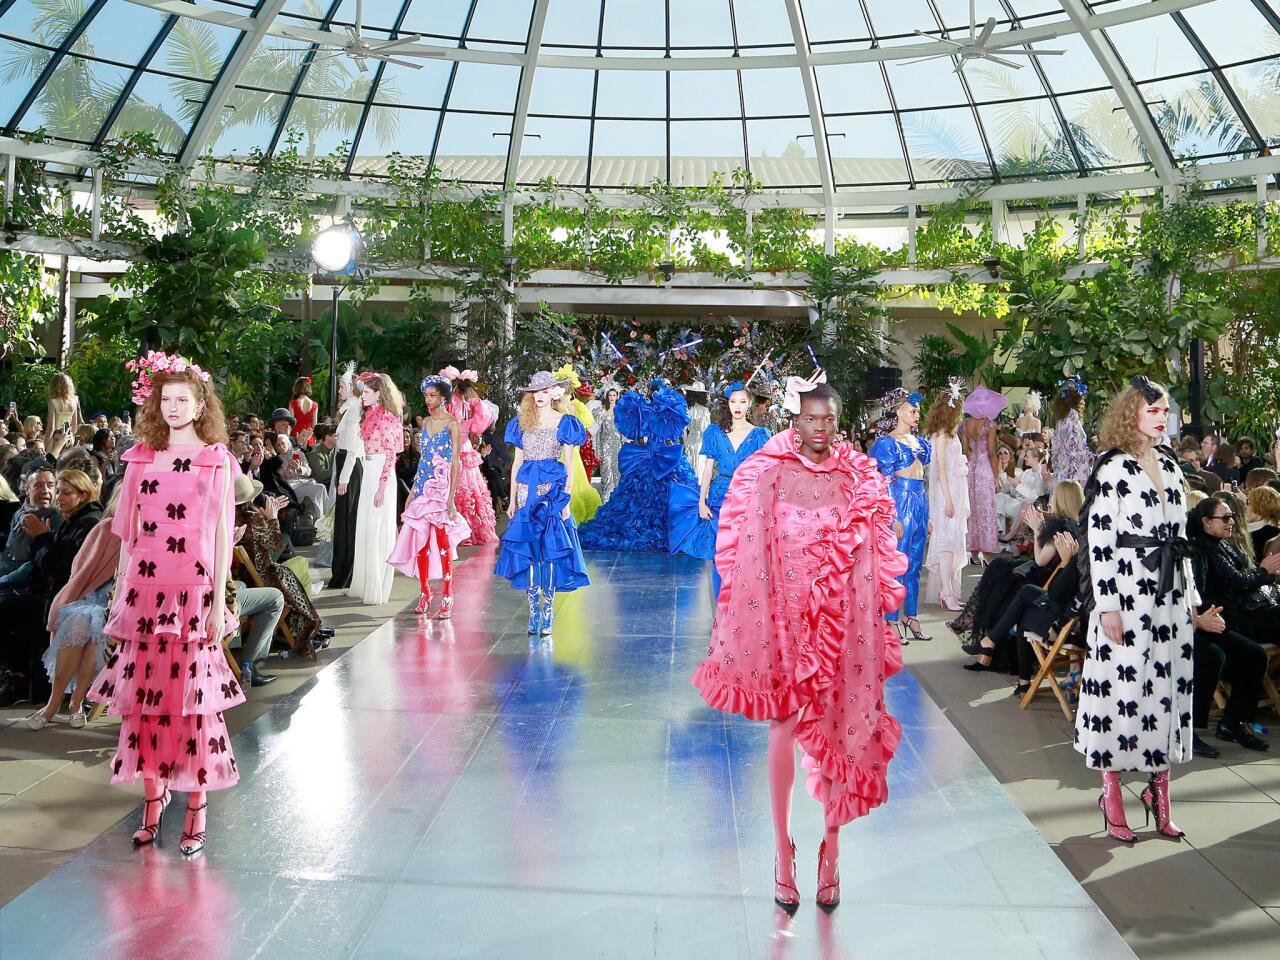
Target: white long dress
(1135,696)
(946,556)
(371,576)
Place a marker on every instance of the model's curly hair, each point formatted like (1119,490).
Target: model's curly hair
(1066,401)
(528,413)
(211,424)
(1119,429)
(943,417)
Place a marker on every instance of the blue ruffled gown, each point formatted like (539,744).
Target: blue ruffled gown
(689,533)
(540,551)
(912,502)
(636,517)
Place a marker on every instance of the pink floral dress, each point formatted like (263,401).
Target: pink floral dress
(168,679)
(472,497)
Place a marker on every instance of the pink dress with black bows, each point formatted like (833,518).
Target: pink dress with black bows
(167,679)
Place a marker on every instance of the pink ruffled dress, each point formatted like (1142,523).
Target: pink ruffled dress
(167,678)
(808,560)
(472,498)
(429,508)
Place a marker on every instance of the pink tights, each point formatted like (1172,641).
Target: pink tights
(782,778)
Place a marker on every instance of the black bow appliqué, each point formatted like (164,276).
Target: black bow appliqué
(182,466)
(177,544)
(131,597)
(1150,391)
(176,511)
(146,626)
(146,568)
(167,620)
(150,486)
(149,527)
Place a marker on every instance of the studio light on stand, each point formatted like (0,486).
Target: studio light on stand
(336,251)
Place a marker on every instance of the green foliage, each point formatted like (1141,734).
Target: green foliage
(97,368)
(939,358)
(26,298)
(27,384)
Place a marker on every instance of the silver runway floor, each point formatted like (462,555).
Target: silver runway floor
(454,791)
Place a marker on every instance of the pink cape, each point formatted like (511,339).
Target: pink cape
(832,664)
(428,510)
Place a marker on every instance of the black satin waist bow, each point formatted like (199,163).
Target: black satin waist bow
(1165,554)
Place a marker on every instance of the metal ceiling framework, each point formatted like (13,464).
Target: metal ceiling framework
(806,58)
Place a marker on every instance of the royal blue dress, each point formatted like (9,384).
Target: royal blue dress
(912,501)
(537,536)
(636,516)
(689,533)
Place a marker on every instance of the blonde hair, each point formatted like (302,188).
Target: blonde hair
(1067,499)
(1265,504)
(943,417)
(61,387)
(6,492)
(529,419)
(113,501)
(1119,429)
(389,395)
(31,426)
(1195,497)
(80,481)
(211,425)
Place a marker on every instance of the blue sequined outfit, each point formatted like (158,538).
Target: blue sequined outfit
(912,503)
(438,445)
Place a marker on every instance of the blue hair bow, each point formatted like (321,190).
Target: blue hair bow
(732,388)
(915,399)
(440,383)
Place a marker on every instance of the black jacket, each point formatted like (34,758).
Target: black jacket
(54,553)
(1224,579)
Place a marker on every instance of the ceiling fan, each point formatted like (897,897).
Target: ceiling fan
(979,46)
(357,48)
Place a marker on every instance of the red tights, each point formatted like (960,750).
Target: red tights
(446,562)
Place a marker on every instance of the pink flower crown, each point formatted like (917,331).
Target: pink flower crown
(154,363)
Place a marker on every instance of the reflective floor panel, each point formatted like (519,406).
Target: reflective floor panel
(456,790)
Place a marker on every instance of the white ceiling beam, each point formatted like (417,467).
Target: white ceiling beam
(527,72)
(1035,34)
(821,145)
(211,114)
(1130,97)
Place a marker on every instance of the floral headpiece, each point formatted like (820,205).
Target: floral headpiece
(889,405)
(1073,383)
(433,380)
(731,388)
(349,374)
(955,386)
(567,376)
(468,375)
(450,373)
(154,364)
(795,387)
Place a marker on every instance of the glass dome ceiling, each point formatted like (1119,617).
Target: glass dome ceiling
(807,95)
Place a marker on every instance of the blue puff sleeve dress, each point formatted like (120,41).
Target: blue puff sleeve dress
(912,502)
(636,516)
(537,535)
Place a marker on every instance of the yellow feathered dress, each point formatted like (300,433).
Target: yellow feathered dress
(584,499)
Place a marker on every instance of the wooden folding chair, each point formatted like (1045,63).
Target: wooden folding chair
(241,557)
(1053,656)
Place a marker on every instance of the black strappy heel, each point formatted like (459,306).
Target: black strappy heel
(147,833)
(192,843)
(915,631)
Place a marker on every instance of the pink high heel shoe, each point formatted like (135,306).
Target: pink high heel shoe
(786,895)
(1155,799)
(1111,803)
(424,601)
(828,880)
(446,609)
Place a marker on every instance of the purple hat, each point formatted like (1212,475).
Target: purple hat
(984,402)
(542,380)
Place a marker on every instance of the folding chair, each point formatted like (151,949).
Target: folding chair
(241,558)
(1052,656)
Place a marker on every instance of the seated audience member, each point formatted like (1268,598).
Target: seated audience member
(1004,575)
(1240,513)
(1226,464)
(261,541)
(38,488)
(281,423)
(495,467)
(1259,477)
(407,467)
(1263,515)
(253,423)
(271,473)
(261,606)
(104,444)
(1240,605)
(9,505)
(1035,611)
(320,455)
(77,616)
(296,472)
(32,427)
(238,444)
(1247,455)
(23,611)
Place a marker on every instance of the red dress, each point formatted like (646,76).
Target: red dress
(808,559)
(167,679)
(306,422)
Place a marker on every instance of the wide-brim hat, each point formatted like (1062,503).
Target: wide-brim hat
(247,489)
(696,387)
(985,402)
(282,413)
(542,380)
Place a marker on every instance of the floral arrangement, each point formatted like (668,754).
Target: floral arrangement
(154,364)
